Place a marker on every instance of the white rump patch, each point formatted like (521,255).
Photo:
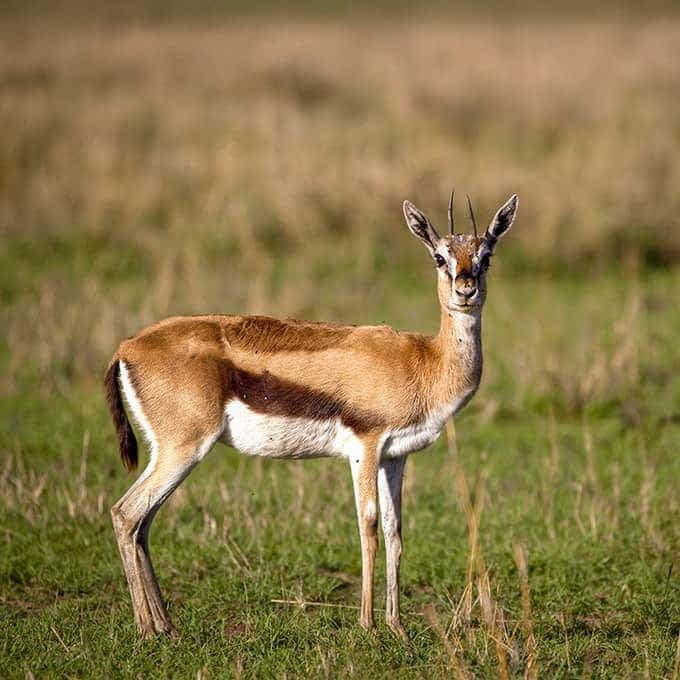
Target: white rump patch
(135,406)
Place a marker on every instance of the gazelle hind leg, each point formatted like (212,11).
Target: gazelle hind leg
(364,467)
(390,478)
(124,530)
(132,517)
(152,592)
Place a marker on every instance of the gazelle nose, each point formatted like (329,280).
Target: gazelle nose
(466,288)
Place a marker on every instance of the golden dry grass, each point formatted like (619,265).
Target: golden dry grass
(248,165)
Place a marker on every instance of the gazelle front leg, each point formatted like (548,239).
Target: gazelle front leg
(390,477)
(364,466)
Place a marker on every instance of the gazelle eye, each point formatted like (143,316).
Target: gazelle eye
(484,262)
(439,260)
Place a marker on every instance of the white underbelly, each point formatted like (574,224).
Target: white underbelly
(276,436)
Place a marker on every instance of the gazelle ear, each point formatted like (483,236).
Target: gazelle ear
(500,224)
(420,226)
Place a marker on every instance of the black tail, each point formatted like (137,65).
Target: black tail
(126,437)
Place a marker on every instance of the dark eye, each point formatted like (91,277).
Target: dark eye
(439,260)
(484,262)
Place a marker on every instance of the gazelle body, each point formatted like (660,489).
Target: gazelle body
(297,389)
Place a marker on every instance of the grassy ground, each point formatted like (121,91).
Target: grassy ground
(260,166)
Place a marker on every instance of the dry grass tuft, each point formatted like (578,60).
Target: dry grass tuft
(481,618)
(530,643)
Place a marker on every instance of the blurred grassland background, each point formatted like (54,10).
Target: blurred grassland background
(158,159)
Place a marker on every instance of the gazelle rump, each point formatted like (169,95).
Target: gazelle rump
(298,389)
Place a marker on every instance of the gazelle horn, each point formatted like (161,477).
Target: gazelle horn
(450,212)
(472,215)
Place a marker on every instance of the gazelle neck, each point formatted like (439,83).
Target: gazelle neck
(460,347)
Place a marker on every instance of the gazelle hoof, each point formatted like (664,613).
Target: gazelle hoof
(166,628)
(398,630)
(150,631)
(147,632)
(367,624)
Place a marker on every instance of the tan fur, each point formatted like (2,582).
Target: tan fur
(372,384)
(365,476)
(177,366)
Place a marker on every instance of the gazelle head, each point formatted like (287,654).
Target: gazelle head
(462,260)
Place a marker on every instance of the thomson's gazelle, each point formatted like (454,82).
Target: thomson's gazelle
(297,389)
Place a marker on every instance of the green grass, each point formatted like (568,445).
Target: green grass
(155,169)
(591,496)
(601,536)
